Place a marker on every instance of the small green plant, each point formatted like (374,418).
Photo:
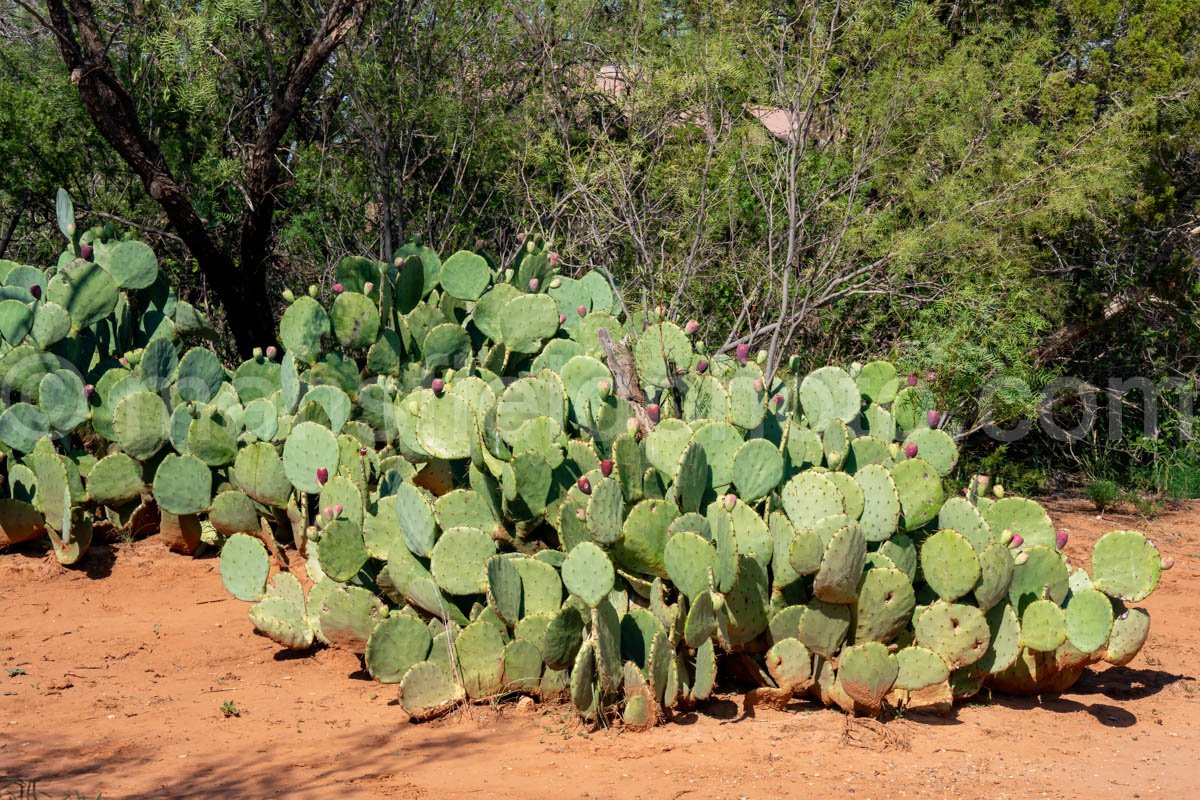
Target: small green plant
(1102,493)
(230,709)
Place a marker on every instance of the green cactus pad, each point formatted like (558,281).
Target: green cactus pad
(790,664)
(665,446)
(996,574)
(480,651)
(949,564)
(824,626)
(701,622)
(877,381)
(644,537)
(199,375)
(302,329)
(541,587)
(1004,646)
(347,615)
(1089,620)
(464,507)
(527,320)
(705,399)
(428,690)
(827,394)
(867,450)
(660,350)
(114,480)
(920,490)
(721,442)
(183,485)
(309,447)
(757,469)
(212,437)
(417,520)
(606,631)
(852,493)
(21,425)
(956,632)
(341,550)
(936,447)
(805,552)
(958,514)
(490,310)
(867,673)
(1043,575)
(910,408)
(504,588)
(1129,632)
(92,294)
(881,502)
(355,320)
(746,404)
(919,668)
(1125,565)
(564,635)
(465,275)
(244,567)
(706,672)
(629,461)
(694,479)
(444,427)
(885,605)
(584,693)
(459,560)
(841,566)
(526,399)
(233,512)
(1023,517)
(605,511)
(61,398)
(282,613)
(588,573)
(521,670)
(258,471)
(688,558)
(16,321)
(1043,626)
(262,419)
(51,325)
(810,497)
(132,264)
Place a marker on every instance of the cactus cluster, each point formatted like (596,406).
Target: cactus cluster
(499,484)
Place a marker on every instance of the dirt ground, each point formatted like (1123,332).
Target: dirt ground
(112,679)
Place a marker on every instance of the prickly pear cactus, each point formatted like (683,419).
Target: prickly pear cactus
(496,485)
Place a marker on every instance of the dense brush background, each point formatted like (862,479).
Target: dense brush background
(1002,193)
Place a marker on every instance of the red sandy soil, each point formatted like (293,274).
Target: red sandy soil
(121,669)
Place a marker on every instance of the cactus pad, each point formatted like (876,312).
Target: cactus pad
(459,560)
(310,447)
(244,567)
(757,469)
(956,632)
(1089,620)
(428,690)
(867,673)
(282,613)
(183,484)
(1125,565)
(949,564)
(1043,626)
(588,573)
(114,480)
